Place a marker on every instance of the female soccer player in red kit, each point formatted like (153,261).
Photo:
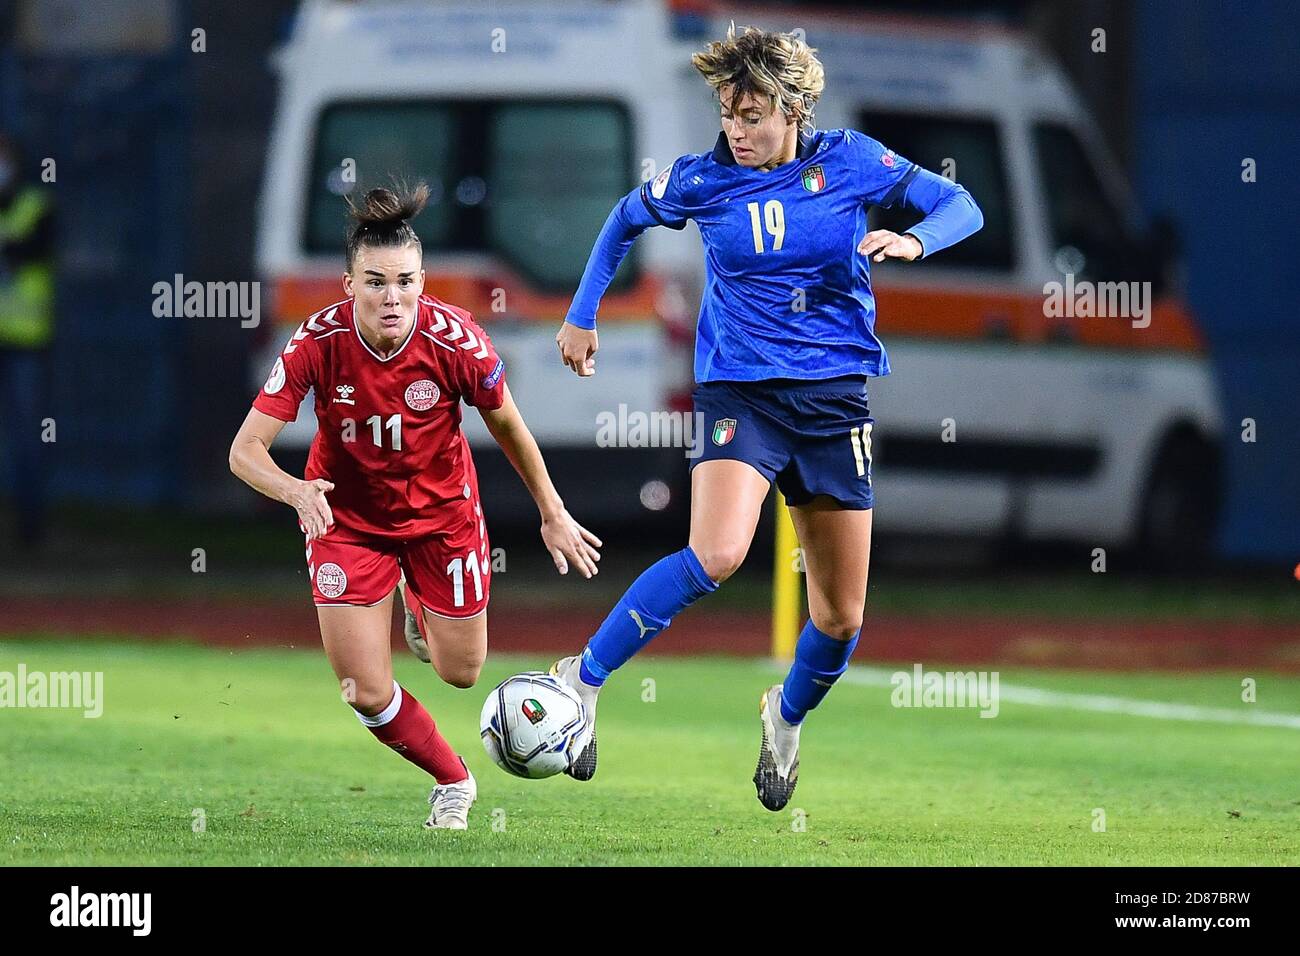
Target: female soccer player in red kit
(390,488)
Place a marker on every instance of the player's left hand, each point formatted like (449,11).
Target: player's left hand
(570,543)
(881,244)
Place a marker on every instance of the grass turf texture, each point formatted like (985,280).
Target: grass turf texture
(260,742)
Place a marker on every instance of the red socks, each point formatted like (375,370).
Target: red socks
(406,727)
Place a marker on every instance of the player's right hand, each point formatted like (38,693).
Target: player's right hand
(314,512)
(571,543)
(578,348)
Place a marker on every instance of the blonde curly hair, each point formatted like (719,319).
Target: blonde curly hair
(779,66)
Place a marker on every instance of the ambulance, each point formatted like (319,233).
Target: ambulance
(1048,384)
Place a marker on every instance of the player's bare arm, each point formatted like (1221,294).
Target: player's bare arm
(251,462)
(567,541)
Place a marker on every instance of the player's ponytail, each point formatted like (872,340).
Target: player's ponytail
(382,218)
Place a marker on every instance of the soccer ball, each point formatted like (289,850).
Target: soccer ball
(529,724)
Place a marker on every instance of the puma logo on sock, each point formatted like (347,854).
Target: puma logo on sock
(644,629)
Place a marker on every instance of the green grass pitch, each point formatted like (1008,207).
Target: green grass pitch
(258,746)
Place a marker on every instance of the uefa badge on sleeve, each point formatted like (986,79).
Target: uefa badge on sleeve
(660,184)
(724,429)
(275,381)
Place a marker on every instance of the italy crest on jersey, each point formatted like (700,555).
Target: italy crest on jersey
(724,429)
(814,179)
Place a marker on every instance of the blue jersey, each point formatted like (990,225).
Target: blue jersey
(786,293)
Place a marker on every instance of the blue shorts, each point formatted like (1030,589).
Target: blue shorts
(810,437)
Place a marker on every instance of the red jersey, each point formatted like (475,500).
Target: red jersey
(388,429)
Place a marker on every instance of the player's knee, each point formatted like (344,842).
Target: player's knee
(722,562)
(462,674)
(371,699)
(839,623)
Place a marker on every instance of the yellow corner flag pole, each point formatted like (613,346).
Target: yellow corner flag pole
(786,604)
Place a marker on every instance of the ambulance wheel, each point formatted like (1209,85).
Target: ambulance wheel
(1181,504)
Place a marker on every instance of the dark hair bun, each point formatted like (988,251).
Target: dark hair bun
(381,218)
(383,207)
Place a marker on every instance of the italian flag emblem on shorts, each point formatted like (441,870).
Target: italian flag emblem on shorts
(723,430)
(814,179)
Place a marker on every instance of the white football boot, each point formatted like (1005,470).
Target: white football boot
(451,803)
(411,629)
(583,766)
(778,759)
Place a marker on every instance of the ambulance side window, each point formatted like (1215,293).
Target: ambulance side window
(556,170)
(1088,236)
(966,150)
(529,181)
(362,145)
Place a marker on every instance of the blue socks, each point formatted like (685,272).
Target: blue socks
(673,584)
(666,587)
(819,660)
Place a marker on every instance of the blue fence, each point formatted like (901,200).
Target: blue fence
(117,131)
(1218,84)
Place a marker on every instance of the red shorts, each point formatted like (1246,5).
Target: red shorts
(449,572)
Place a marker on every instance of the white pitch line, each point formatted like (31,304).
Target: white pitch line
(1160,710)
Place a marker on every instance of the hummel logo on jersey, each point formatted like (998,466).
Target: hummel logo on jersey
(344,391)
(449,329)
(313,324)
(645,629)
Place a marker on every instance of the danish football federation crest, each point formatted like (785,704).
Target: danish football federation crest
(724,429)
(422,395)
(814,179)
(331,580)
(533,710)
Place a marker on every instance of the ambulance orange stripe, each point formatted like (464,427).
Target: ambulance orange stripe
(950,315)
(298,296)
(962,315)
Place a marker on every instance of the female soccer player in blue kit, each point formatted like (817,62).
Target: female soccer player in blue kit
(785,344)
